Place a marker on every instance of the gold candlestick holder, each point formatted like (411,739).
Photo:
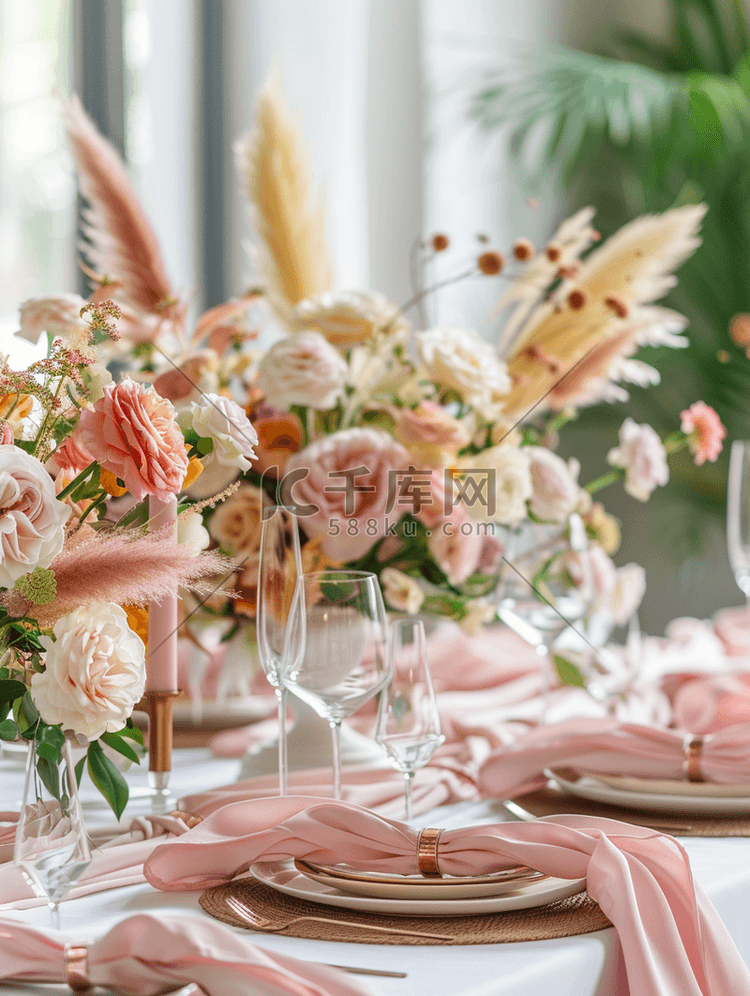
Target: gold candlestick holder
(160,706)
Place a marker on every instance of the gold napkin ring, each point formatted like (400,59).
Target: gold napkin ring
(427,852)
(189,819)
(77,968)
(691,769)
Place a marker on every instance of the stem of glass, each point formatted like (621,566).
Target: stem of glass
(335,734)
(281,695)
(408,776)
(54,912)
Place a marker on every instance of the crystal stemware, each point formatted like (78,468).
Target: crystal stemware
(279,569)
(408,725)
(341,656)
(51,848)
(738,515)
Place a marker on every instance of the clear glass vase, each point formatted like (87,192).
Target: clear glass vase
(51,847)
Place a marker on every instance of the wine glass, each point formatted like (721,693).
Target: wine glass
(340,657)
(408,725)
(279,569)
(738,515)
(540,610)
(51,848)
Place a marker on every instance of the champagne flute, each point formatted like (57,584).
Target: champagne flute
(408,725)
(279,569)
(51,847)
(738,515)
(340,656)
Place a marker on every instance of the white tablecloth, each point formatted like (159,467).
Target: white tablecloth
(588,965)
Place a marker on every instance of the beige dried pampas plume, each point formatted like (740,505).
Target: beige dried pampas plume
(274,167)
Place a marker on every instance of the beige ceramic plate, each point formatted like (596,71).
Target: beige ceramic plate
(284,877)
(401,887)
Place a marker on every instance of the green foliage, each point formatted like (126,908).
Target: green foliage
(567,672)
(670,126)
(107,779)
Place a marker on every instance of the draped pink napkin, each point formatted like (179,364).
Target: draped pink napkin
(704,705)
(600,745)
(147,954)
(672,938)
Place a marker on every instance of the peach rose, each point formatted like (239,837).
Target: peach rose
(132,432)
(71,454)
(349,509)
(456,551)
(59,315)
(197,374)
(235,525)
(430,433)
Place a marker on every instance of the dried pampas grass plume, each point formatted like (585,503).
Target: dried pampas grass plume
(122,244)
(629,271)
(274,169)
(119,567)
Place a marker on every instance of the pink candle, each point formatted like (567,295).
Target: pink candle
(161,659)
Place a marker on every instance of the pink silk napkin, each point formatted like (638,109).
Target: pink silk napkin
(704,705)
(673,940)
(146,954)
(601,745)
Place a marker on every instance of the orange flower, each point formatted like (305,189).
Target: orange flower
(279,436)
(138,620)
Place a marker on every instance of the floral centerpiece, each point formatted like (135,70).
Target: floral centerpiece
(408,449)
(76,576)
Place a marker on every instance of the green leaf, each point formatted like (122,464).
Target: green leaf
(50,740)
(10,690)
(107,779)
(50,775)
(133,732)
(8,730)
(79,770)
(568,673)
(116,742)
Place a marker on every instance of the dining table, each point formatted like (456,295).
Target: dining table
(589,964)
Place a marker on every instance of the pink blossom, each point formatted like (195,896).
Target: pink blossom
(71,454)
(555,484)
(430,433)
(348,532)
(456,551)
(431,509)
(6,434)
(59,315)
(706,432)
(642,455)
(132,432)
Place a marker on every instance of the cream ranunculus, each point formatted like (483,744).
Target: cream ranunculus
(401,592)
(32,520)
(508,488)
(95,671)
(59,315)
(459,359)
(303,369)
(223,421)
(349,317)
(236,523)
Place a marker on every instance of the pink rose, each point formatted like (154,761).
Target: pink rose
(348,530)
(71,454)
(555,484)
(456,550)
(430,433)
(431,510)
(594,572)
(642,455)
(132,432)
(706,432)
(491,553)
(6,434)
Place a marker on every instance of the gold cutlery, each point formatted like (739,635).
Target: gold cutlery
(281,921)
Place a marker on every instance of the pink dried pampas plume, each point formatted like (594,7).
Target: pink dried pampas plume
(118,567)
(123,245)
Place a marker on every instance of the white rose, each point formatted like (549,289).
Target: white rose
(95,377)
(401,592)
(642,455)
(630,587)
(192,532)
(304,369)
(348,317)
(508,486)
(95,671)
(461,360)
(32,520)
(555,484)
(59,315)
(223,421)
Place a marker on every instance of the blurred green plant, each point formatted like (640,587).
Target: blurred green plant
(671,125)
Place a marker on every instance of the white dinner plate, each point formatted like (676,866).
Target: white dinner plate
(283,876)
(400,887)
(689,798)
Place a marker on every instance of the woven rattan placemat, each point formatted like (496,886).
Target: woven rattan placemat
(550,802)
(577,915)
